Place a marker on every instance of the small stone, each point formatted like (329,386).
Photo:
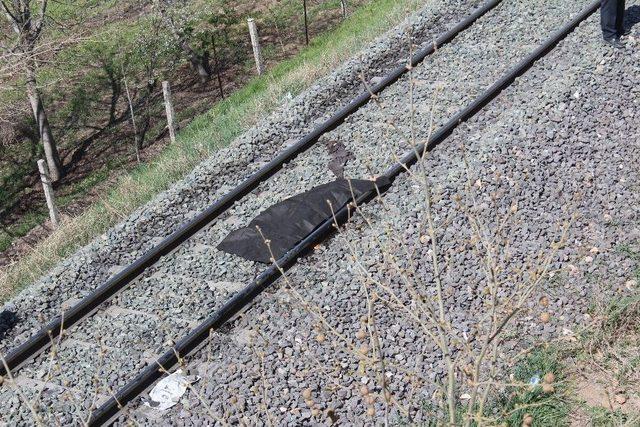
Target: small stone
(544,301)
(320,338)
(361,334)
(545,317)
(306,393)
(527,420)
(548,388)
(631,284)
(549,378)
(364,349)
(331,414)
(621,399)
(364,390)
(371,411)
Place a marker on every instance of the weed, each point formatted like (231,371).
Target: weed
(547,409)
(601,417)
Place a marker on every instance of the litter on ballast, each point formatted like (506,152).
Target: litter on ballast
(288,222)
(169,390)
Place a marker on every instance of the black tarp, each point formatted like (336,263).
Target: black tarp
(288,222)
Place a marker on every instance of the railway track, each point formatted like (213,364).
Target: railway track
(88,305)
(232,299)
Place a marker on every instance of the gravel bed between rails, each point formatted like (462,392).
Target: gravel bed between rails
(96,262)
(563,140)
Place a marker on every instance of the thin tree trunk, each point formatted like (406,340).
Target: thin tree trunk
(44,129)
(200,64)
(136,137)
(45,177)
(216,64)
(306,23)
(115,97)
(203,70)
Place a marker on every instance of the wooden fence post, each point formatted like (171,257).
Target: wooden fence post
(306,23)
(168,106)
(54,214)
(255,43)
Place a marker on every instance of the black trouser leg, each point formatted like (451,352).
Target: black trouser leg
(620,17)
(608,18)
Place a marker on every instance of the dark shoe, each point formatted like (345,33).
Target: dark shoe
(625,33)
(615,43)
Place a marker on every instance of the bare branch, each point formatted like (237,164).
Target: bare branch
(39,23)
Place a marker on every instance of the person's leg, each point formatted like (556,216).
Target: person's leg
(608,15)
(620,17)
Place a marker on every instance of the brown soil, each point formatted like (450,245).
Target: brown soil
(601,383)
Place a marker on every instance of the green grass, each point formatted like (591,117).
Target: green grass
(633,255)
(547,409)
(206,133)
(36,216)
(627,250)
(601,417)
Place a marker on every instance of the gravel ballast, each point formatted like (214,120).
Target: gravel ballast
(561,142)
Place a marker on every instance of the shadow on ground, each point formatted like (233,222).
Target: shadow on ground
(7,320)
(632,16)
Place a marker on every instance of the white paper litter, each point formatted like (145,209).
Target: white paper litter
(169,390)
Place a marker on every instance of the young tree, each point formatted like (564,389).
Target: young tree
(198,27)
(27,20)
(176,23)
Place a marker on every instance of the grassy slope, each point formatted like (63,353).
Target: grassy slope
(50,76)
(75,88)
(205,134)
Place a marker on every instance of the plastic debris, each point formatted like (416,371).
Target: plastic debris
(535,380)
(169,390)
(288,222)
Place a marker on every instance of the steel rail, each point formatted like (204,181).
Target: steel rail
(89,304)
(199,335)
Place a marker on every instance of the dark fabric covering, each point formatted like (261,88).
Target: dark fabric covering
(288,222)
